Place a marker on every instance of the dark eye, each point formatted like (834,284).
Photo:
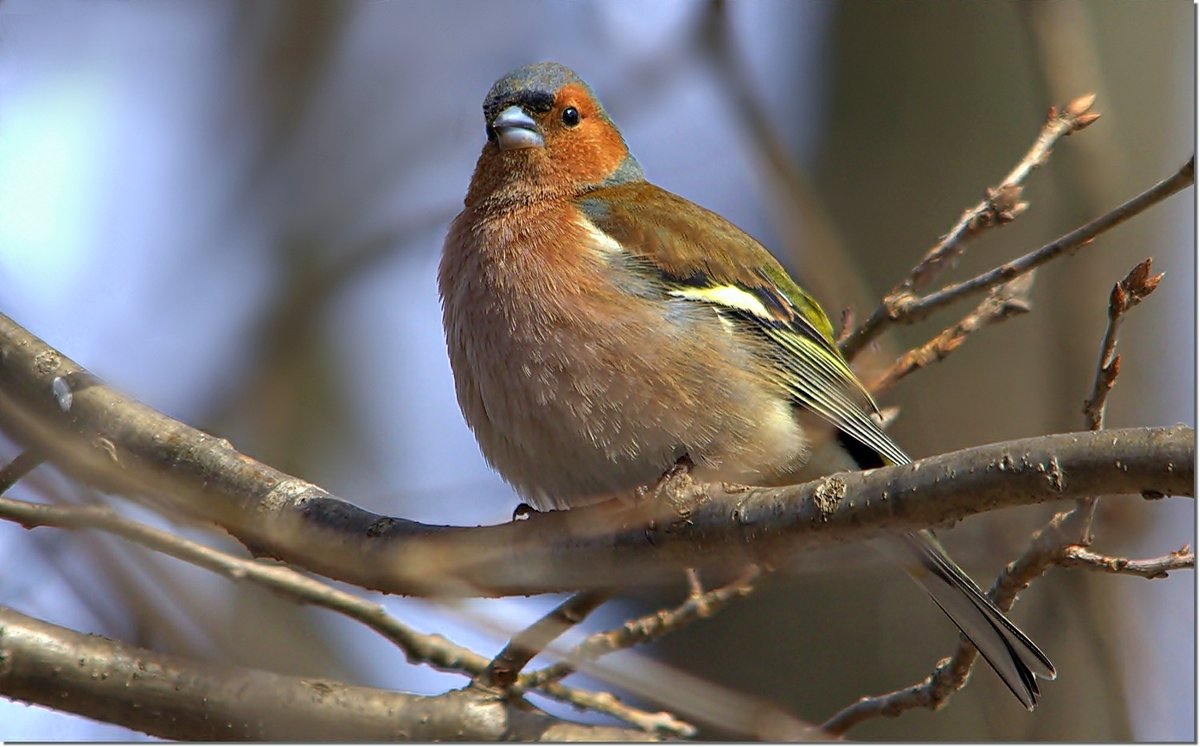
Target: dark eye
(570,116)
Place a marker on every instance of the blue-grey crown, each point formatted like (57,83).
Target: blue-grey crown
(531,87)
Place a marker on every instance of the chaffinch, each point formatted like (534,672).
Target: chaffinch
(601,329)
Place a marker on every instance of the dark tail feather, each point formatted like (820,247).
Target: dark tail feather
(1009,651)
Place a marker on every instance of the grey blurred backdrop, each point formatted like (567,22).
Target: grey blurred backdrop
(234,211)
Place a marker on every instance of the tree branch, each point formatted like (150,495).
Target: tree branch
(643,629)
(503,670)
(1002,202)
(1053,544)
(125,446)
(418,648)
(177,698)
(1126,294)
(1003,302)
(26,462)
(908,308)
(1181,559)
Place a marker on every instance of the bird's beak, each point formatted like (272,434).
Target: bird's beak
(515,130)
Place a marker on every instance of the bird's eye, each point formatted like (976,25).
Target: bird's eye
(570,116)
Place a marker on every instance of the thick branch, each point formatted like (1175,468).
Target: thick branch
(178,698)
(119,444)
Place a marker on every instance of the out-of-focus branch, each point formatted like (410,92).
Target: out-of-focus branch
(908,308)
(102,437)
(804,223)
(434,650)
(26,462)
(291,584)
(503,670)
(177,698)
(643,629)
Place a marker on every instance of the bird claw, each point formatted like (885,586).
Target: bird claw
(683,466)
(523,511)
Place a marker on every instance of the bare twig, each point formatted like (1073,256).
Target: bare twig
(1181,559)
(951,674)
(1053,544)
(177,698)
(909,308)
(644,629)
(1003,302)
(1126,294)
(1002,203)
(660,722)
(24,463)
(503,670)
(434,650)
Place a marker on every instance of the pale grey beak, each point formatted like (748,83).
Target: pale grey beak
(515,130)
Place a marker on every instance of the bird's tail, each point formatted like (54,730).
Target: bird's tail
(1009,651)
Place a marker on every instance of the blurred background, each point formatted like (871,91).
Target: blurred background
(234,212)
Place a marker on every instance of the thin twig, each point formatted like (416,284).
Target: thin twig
(644,629)
(1181,559)
(1002,203)
(503,670)
(1052,545)
(24,463)
(419,648)
(185,699)
(660,722)
(951,674)
(907,308)
(1003,302)
(1126,294)
(1060,542)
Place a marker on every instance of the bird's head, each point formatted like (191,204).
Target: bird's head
(548,136)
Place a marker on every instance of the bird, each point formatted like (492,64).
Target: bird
(602,331)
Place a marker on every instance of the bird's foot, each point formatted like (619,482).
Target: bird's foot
(523,511)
